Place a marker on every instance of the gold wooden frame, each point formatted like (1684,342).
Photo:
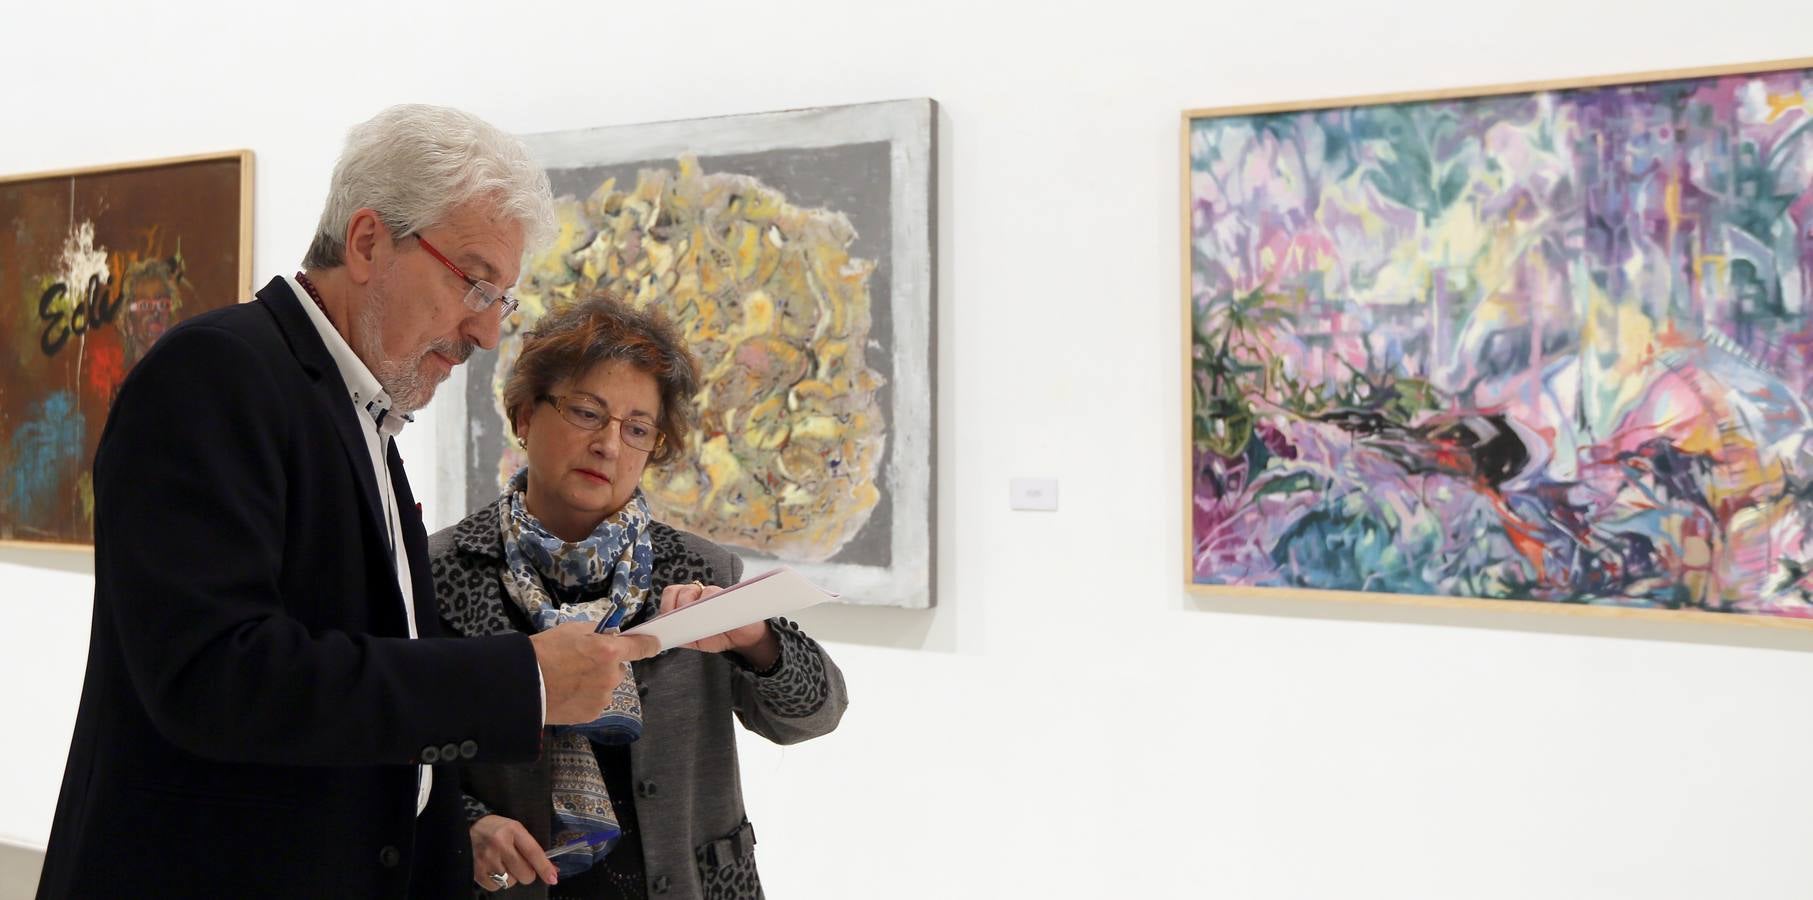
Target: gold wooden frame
(1540,607)
(243,284)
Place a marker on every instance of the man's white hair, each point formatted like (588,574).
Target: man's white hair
(414,164)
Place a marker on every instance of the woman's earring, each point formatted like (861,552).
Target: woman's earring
(522,442)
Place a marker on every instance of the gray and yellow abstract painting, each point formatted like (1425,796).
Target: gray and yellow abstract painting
(794,252)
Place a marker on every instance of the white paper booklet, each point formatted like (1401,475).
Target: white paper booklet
(765,596)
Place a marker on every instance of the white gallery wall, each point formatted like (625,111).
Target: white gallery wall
(1068,722)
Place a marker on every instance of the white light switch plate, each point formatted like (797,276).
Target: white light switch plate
(1034,493)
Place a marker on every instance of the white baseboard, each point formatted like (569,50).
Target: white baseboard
(19,868)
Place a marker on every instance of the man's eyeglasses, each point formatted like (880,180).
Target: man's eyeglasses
(588,415)
(482,294)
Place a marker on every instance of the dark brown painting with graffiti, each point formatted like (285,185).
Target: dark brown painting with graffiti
(95,266)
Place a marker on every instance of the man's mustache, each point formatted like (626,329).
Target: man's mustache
(458,351)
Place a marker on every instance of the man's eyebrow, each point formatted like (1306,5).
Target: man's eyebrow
(479,267)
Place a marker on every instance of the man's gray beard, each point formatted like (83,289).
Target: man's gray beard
(402,380)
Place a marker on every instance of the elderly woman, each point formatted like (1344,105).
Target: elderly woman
(650,791)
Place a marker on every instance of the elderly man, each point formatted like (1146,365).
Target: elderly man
(260,718)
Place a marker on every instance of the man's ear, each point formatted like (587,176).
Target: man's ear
(367,239)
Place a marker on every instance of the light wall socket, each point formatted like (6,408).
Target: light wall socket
(1033,493)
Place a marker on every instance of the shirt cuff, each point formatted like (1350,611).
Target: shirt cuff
(541,681)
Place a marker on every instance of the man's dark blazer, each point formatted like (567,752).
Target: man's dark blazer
(253,708)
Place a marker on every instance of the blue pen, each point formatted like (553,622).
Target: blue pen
(611,621)
(582,842)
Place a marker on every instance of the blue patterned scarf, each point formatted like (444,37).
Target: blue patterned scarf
(615,567)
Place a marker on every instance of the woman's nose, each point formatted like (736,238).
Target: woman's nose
(607,441)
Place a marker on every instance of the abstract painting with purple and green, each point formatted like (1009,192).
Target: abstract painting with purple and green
(1546,346)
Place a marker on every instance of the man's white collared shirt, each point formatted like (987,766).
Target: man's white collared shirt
(367,395)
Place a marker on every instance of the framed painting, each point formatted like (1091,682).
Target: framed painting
(794,251)
(1545,343)
(95,264)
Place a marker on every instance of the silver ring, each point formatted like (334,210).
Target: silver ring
(501,879)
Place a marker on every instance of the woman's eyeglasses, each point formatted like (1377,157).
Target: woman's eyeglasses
(587,415)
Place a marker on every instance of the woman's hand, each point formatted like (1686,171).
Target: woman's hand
(754,642)
(502,846)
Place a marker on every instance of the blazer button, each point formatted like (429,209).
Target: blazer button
(661,884)
(642,690)
(450,752)
(431,755)
(468,749)
(645,788)
(389,857)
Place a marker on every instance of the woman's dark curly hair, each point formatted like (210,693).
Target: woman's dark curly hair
(571,340)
